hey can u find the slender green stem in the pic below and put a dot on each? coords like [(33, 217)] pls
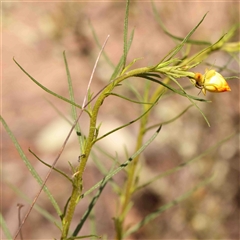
[(92, 135), (130, 183), (77, 177), (129, 186)]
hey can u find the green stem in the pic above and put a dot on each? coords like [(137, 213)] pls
[(130, 183), (77, 179)]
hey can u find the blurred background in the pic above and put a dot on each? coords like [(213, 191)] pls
[(36, 34)]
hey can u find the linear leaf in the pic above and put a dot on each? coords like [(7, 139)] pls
[(171, 35), (48, 165), (180, 92), (165, 207), (85, 236), (120, 63), (127, 124), (74, 111), (203, 53), (46, 89), (128, 99), (89, 209), (125, 38), (175, 50), (123, 165), (5, 228), (190, 99), (100, 46), (180, 166), (59, 112), (29, 166), (171, 120)]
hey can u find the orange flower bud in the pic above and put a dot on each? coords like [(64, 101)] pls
[(214, 82), (211, 81)]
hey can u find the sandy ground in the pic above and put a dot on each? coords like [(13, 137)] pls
[(36, 34)]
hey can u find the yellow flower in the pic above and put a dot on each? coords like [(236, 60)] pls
[(211, 81)]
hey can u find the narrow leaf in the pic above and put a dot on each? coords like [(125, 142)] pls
[(184, 164), (46, 89), (125, 39), (5, 228), (89, 209), (162, 209), (48, 165), (59, 112), (190, 99), (120, 63), (74, 111), (127, 124), (175, 50), (171, 35), (84, 236), (128, 99), (29, 166), (180, 92), (100, 46), (171, 120), (123, 165), (200, 56), (101, 167)]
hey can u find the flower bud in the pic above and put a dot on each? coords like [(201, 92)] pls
[(214, 82), (211, 81)]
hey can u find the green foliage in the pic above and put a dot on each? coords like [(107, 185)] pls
[(164, 76)]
